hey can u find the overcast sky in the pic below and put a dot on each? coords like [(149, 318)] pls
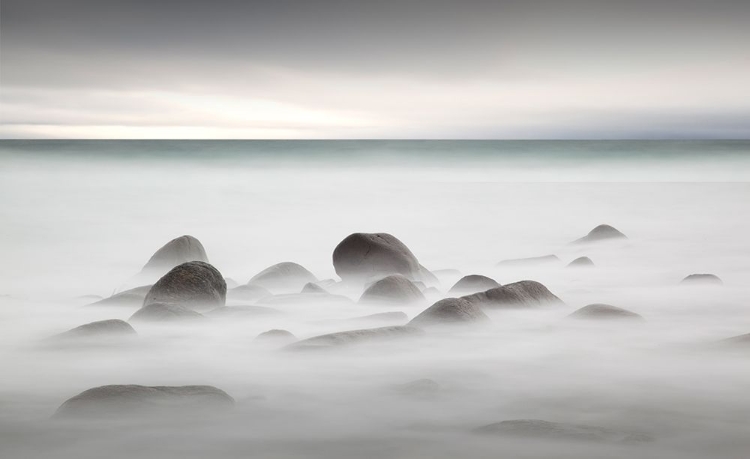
[(376, 69)]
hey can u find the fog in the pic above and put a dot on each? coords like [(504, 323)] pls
[(78, 225)]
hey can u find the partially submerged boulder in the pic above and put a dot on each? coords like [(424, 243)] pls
[(286, 276), (126, 298), (702, 279), (195, 285), (393, 290), (601, 233), (605, 312), (450, 311), (363, 256), (276, 337), (522, 294), (117, 401), (347, 338), (471, 284), (176, 252), (101, 328), (311, 287), (581, 262), (545, 430), (528, 262), (165, 312)]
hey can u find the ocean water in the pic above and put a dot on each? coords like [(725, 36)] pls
[(82, 217)]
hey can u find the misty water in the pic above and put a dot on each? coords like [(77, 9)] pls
[(80, 219)]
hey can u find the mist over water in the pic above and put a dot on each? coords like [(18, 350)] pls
[(82, 218)]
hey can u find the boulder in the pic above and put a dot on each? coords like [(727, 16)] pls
[(101, 328), (165, 312), (702, 279), (523, 294), (581, 262), (605, 312), (363, 256), (276, 337), (472, 283), (347, 338), (313, 288), (527, 262), (601, 233), (248, 293), (392, 290), (176, 252), (126, 298), (195, 285), (450, 311), (285, 276), (537, 429), (117, 401)]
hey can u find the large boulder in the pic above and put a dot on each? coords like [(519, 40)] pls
[(450, 311), (537, 429), (165, 312), (473, 283), (364, 256), (101, 328), (701, 279), (347, 338), (286, 276), (116, 401), (195, 285), (126, 298), (529, 262), (522, 294), (176, 252), (605, 312), (392, 290), (601, 233)]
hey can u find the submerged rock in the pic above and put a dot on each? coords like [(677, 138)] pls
[(581, 262), (473, 283), (362, 256), (165, 312), (346, 338), (248, 293), (276, 337), (101, 328), (546, 430), (450, 311), (601, 233), (127, 298), (522, 294), (195, 285), (116, 401), (313, 288), (531, 261), (605, 312), (286, 276), (702, 279), (394, 290)]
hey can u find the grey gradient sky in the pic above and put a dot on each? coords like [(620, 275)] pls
[(386, 69)]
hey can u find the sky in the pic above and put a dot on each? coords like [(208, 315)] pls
[(550, 69)]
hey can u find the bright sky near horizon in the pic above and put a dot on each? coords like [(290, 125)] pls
[(388, 69)]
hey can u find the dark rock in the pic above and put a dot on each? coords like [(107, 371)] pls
[(286, 275), (276, 337), (702, 279), (117, 401), (346, 338), (531, 261), (471, 284), (243, 311), (313, 288), (195, 285), (176, 252), (165, 312), (363, 256), (248, 293), (545, 430), (128, 298), (523, 294), (604, 312), (601, 233), (102, 328), (581, 262), (450, 311), (394, 290)]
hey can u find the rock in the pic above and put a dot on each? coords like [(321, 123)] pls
[(421, 388), (276, 337), (127, 298), (581, 262), (248, 293), (176, 252), (286, 276), (450, 311), (601, 233), (313, 288), (117, 401), (531, 261), (393, 290), (165, 312), (702, 279), (102, 328), (523, 294), (346, 338), (395, 316), (604, 312), (471, 284), (195, 285), (545, 430), (363, 256)]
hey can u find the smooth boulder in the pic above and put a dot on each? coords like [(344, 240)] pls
[(286, 276), (450, 311), (392, 290), (311, 287), (101, 328), (363, 256), (194, 285), (605, 312), (347, 338), (276, 337), (116, 401), (538, 429), (176, 252), (165, 312), (472, 283), (702, 279), (522, 294), (581, 262), (601, 233)]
